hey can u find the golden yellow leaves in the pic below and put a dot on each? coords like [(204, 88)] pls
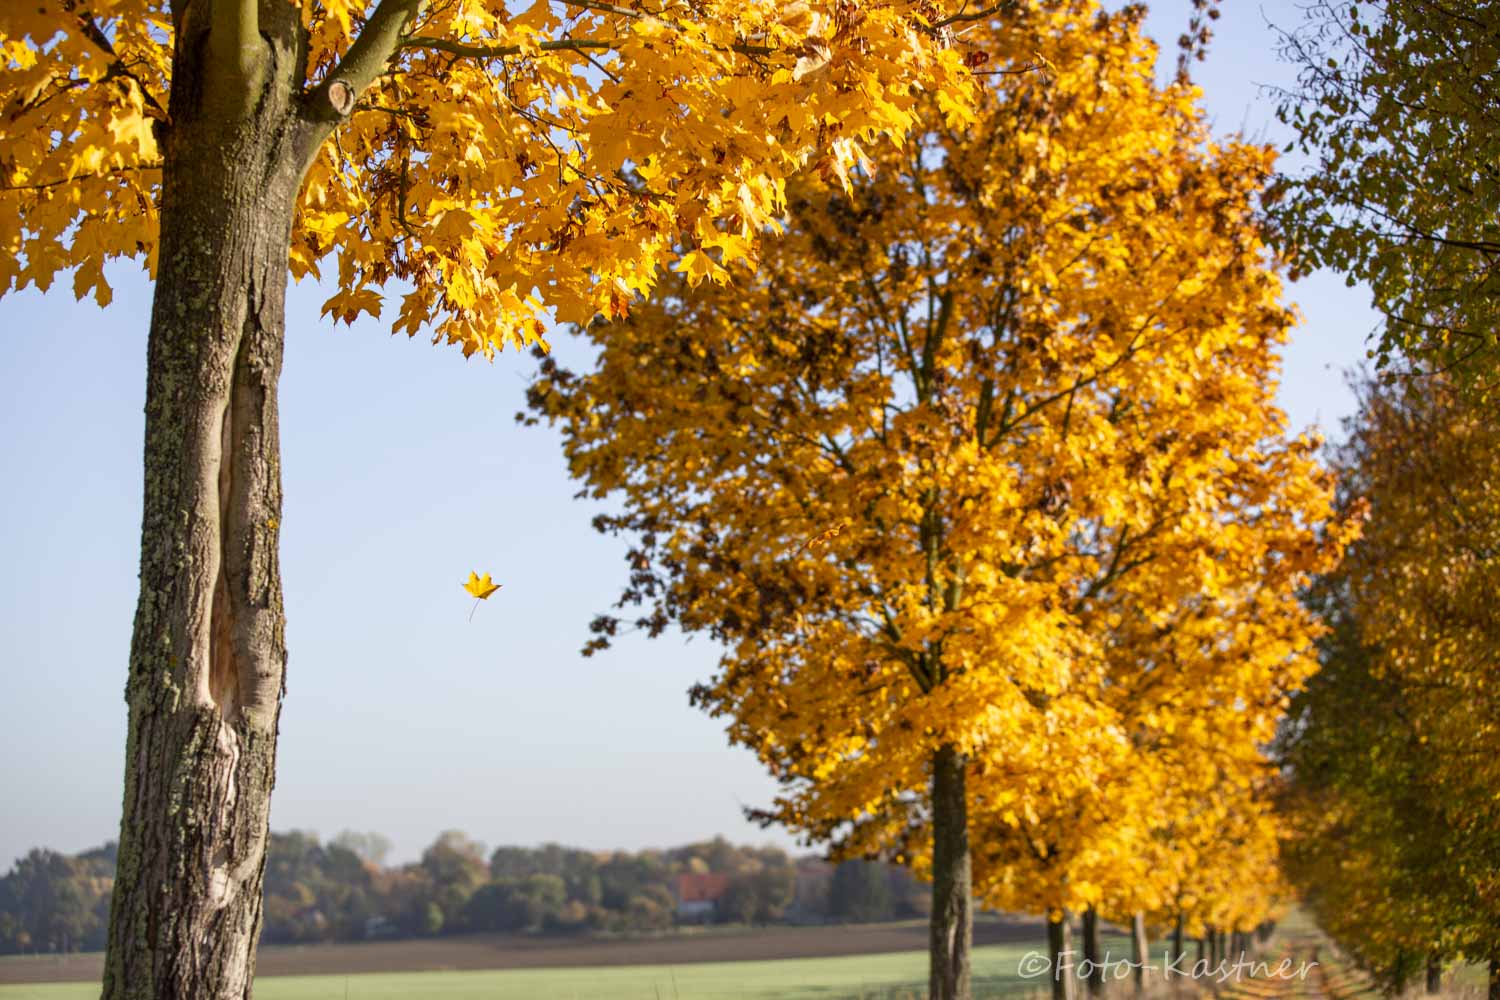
[(697, 265), (346, 305), (823, 537), (1072, 534), (481, 587), (496, 184), (77, 183)]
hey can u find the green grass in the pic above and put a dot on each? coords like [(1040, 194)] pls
[(893, 976)]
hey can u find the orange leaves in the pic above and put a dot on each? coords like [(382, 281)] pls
[(1058, 522), (823, 537)]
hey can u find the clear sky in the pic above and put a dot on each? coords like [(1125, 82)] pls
[(403, 471)]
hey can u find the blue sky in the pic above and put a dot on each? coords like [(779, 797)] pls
[(404, 470)]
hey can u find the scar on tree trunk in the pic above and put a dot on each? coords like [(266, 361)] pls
[(208, 654), (952, 922), (208, 650)]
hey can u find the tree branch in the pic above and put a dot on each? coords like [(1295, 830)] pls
[(555, 45), (45, 185), (239, 52), (100, 40), (501, 51), (963, 16), (333, 99)]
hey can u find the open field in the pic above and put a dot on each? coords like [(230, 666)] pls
[(816, 963), (891, 975), (505, 951)]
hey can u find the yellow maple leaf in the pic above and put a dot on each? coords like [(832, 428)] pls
[(481, 586), (698, 265)]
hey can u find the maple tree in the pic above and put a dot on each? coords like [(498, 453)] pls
[(499, 166), (1396, 107), (974, 434), (1395, 746), (1176, 823)]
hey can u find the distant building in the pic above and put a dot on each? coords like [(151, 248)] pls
[(698, 894)]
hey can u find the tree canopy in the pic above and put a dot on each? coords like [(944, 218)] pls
[(505, 165), (982, 461), (1394, 748), (1395, 106)]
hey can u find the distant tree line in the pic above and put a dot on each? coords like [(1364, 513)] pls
[(342, 890)]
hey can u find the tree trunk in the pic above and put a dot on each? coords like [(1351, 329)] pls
[(952, 922), (1140, 952), (1494, 993), (1212, 934), (1060, 948), (1092, 953), (1434, 974), (1177, 939), (208, 654)]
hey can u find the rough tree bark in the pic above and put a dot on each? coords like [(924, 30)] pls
[(208, 654), (952, 921), (1059, 952)]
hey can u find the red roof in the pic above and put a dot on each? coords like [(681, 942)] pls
[(705, 888)]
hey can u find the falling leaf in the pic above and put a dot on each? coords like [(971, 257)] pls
[(823, 537), (481, 586)]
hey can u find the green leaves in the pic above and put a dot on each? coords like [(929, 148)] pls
[(1400, 115)]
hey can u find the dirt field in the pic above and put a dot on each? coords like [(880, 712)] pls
[(490, 951)]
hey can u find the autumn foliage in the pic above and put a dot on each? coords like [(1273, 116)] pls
[(510, 166), (495, 167), (983, 462), (1395, 745)]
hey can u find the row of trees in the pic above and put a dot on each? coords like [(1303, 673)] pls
[(341, 891), (1394, 748), (54, 902), (980, 483), (978, 479)]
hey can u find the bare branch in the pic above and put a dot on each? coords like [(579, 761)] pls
[(46, 185), (501, 51)]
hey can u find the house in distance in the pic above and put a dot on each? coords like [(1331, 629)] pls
[(698, 895)]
